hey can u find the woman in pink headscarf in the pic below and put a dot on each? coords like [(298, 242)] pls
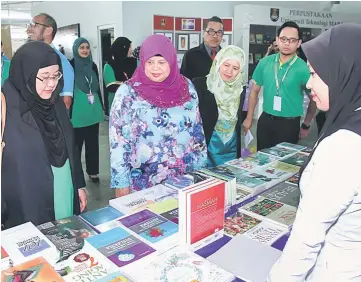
[(155, 129)]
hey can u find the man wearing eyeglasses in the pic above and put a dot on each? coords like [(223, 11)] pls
[(43, 28), (283, 77), (197, 61)]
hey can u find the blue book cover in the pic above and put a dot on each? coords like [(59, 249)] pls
[(120, 247), (101, 216), (150, 226)]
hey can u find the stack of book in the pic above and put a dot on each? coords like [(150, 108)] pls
[(201, 213), (138, 201)]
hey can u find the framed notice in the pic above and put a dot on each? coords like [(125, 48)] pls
[(169, 35), (193, 40), (180, 59), (250, 58), (252, 38), (188, 24), (226, 40), (182, 42)]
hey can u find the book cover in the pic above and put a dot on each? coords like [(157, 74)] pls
[(140, 200), (253, 180), (205, 212), (167, 209), (307, 150), (239, 223), (35, 270), (120, 247), (265, 233), (284, 193), (86, 265), (102, 219), (254, 161), (241, 194), (181, 265), (294, 179), (150, 226), (221, 170), (297, 159), (277, 172), (280, 152), (292, 146), (25, 242), (67, 234), (271, 210)]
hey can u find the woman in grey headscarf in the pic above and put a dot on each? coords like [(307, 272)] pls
[(325, 243)]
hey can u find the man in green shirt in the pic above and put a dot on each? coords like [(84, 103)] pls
[(283, 77)]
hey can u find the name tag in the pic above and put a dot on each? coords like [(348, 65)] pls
[(277, 103), (90, 98)]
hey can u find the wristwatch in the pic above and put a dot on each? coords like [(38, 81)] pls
[(304, 126)]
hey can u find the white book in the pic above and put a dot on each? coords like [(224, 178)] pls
[(140, 200), (181, 265), (25, 242), (266, 233)]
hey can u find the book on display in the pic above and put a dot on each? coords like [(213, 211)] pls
[(292, 146), (297, 159), (272, 211), (140, 200), (278, 151), (253, 161), (25, 242), (85, 265), (34, 270), (201, 214), (120, 247), (284, 193), (293, 180), (181, 265), (167, 209), (67, 234), (239, 223), (156, 230), (266, 233), (102, 219), (182, 181), (277, 172)]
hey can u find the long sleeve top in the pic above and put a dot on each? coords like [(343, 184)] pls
[(325, 242), (149, 144)]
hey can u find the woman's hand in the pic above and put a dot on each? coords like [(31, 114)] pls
[(82, 199), (120, 192)]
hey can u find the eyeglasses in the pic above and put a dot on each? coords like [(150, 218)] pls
[(47, 79), (212, 32), (284, 39), (33, 24)]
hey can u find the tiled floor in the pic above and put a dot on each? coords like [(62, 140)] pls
[(100, 193)]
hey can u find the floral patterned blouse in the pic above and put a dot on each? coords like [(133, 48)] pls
[(149, 144)]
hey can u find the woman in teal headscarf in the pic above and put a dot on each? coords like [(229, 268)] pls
[(87, 109), (220, 105)]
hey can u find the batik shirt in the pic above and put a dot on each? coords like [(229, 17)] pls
[(148, 144)]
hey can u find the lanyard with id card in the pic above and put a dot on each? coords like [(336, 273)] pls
[(277, 100), (90, 95)]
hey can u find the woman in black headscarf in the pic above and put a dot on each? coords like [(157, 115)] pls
[(41, 176), (325, 243), (119, 68)]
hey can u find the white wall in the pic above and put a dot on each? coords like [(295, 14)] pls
[(88, 14)]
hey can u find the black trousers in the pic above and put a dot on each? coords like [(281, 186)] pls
[(273, 130), (320, 121), (89, 135)]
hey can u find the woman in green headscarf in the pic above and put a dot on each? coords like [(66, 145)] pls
[(87, 109), (220, 105)]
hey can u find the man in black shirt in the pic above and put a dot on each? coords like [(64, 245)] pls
[(197, 61)]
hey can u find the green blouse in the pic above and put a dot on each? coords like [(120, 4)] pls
[(63, 191), (83, 113), (5, 67), (109, 77)]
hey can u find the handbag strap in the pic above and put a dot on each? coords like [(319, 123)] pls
[(3, 118)]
